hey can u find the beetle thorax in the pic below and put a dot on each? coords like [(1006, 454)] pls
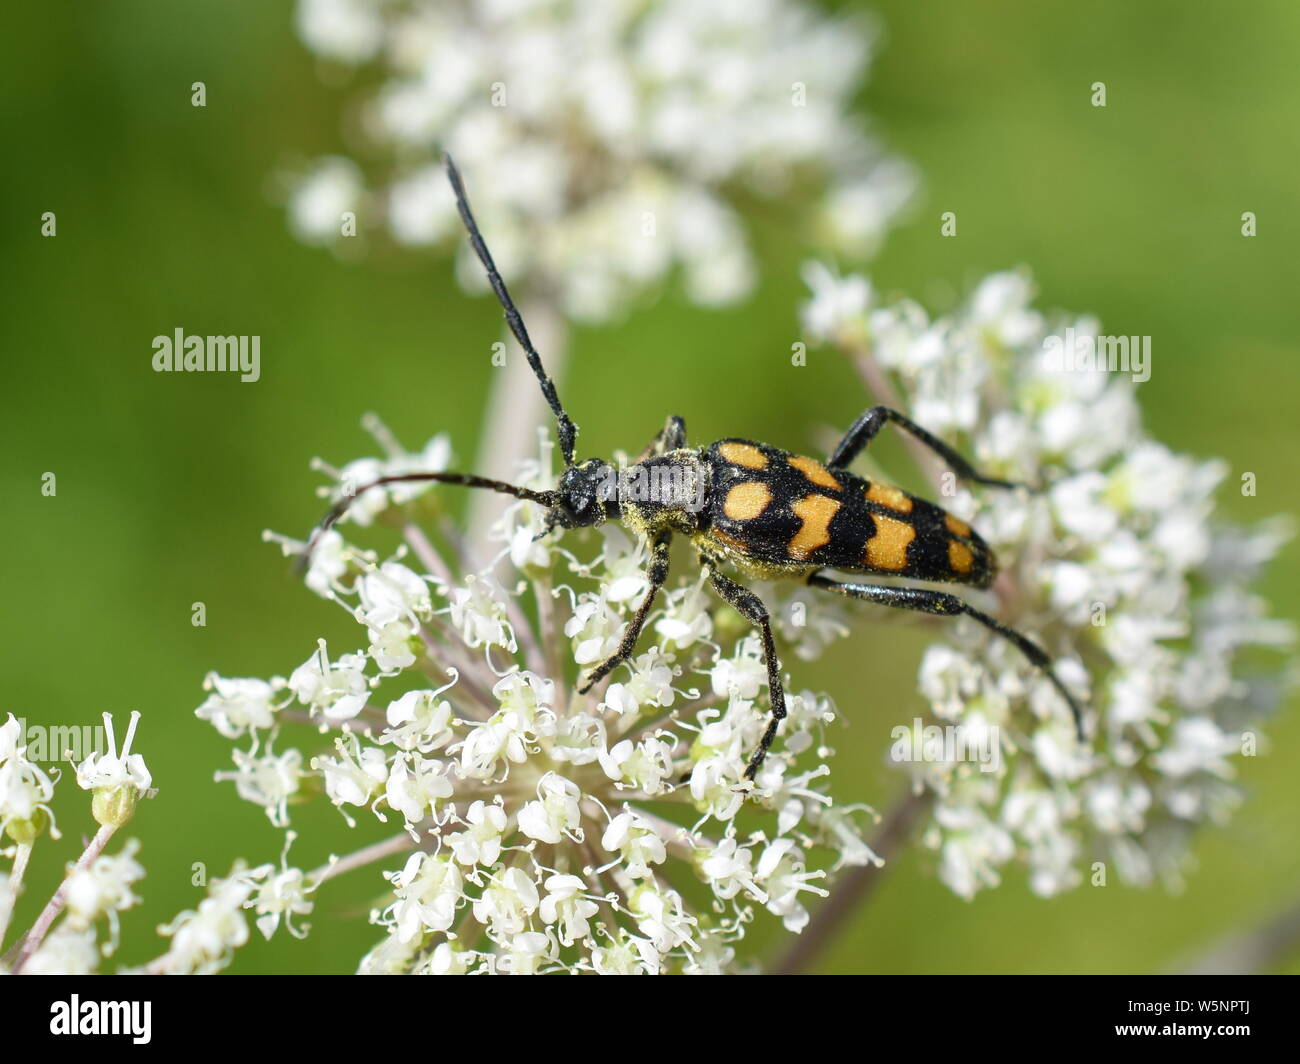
[(664, 492)]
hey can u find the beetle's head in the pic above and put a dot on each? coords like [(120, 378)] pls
[(586, 495)]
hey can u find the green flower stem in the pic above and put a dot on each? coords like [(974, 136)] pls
[(15, 886), (398, 843), (31, 942)]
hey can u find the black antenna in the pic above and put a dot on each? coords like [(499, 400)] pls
[(567, 430), (545, 498)]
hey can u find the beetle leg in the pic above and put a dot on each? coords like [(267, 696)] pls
[(924, 600), (864, 430), (657, 574), (672, 437), (751, 607)]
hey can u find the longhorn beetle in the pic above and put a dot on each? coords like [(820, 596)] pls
[(764, 512)]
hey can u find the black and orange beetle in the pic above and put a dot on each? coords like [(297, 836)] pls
[(764, 512)]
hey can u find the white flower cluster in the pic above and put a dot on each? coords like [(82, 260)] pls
[(1120, 567), (98, 886), (66, 938), (599, 137), (203, 940), (544, 830), (26, 789)]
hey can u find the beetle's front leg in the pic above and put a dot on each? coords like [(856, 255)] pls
[(657, 574), (672, 437)]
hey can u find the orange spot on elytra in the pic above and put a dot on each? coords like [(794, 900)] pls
[(746, 501), (814, 471), (816, 512), (743, 454), (959, 556), (887, 549), (890, 497)]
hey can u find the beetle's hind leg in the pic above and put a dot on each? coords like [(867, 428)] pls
[(864, 430), (924, 600), (751, 607)]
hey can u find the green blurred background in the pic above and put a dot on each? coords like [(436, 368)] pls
[(165, 482)]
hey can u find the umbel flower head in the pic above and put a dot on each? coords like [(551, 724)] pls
[(544, 830), (603, 140), (65, 937), (1120, 567)]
